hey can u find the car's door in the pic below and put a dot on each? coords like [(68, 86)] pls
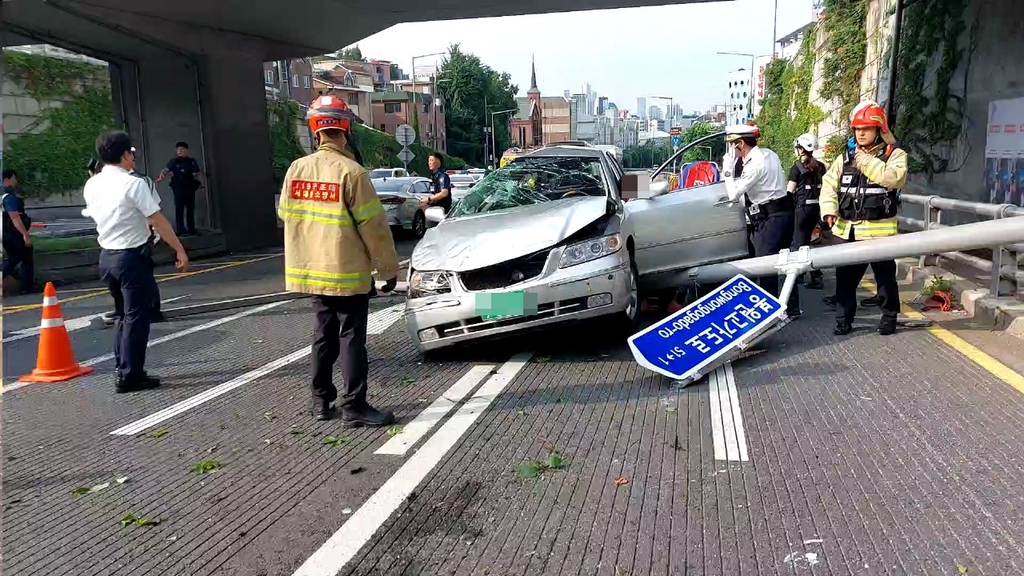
[(686, 228)]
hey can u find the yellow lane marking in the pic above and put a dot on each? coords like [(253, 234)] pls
[(995, 367), (163, 278)]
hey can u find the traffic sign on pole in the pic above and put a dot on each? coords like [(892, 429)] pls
[(406, 155), (686, 342), (677, 141), (405, 134)]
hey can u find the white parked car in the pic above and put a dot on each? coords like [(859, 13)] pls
[(551, 238), (461, 184), (388, 173), (401, 200)]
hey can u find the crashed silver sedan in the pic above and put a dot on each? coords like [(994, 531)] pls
[(551, 238)]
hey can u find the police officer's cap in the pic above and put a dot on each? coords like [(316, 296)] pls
[(734, 133)]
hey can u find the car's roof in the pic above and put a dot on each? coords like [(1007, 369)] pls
[(397, 179), (569, 151)]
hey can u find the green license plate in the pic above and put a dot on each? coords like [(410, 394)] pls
[(496, 305)]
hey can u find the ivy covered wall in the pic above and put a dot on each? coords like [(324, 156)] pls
[(53, 111)]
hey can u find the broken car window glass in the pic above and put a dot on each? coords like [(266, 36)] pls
[(533, 180)]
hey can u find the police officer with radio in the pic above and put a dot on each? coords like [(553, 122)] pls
[(860, 196), (756, 175), (805, 186), (442, 184)]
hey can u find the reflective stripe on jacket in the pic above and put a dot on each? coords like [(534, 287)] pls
[(889, 174), (335, 230)]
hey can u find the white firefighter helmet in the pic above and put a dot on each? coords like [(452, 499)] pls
[(808, 142)]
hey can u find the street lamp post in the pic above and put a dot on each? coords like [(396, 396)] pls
[(671, 116)]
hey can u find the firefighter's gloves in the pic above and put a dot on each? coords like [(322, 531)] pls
[(389, 285)]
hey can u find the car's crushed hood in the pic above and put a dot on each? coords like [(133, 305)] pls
[(477, 241)]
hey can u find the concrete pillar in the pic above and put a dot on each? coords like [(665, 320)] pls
[(237, 144)]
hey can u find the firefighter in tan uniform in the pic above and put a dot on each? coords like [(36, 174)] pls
[(859, 199), (335, 235)]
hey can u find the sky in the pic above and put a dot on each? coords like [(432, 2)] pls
[(623, 54)]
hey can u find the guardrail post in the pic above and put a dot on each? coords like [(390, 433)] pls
[(997, 257), (932, 216), (1020, 277)]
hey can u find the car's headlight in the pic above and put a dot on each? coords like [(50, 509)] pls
[(429, 283), (588, 250)]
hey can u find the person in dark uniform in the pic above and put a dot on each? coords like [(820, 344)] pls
[(17, 241), (805, 186), (185, 180), (755, 174), (442, 195), (124, 210)]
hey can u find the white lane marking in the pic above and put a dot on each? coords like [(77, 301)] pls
[(361, 526), (70, 325), (729, 439), (379, 321), (418, 428)]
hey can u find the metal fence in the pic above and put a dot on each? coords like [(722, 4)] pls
[(1007, 261)]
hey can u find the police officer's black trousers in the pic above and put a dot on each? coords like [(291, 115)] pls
[(185, 211), (128, 275), (849, 277), (18, 254), (807, 218), (770, 236), (341, 331)]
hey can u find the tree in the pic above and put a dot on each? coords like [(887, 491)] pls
[(701, 151), (351, 53), (471, 91)]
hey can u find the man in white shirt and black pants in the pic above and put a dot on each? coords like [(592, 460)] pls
[(755, 174), (124, 209)]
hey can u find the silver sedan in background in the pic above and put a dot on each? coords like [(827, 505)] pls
[(401, 200)]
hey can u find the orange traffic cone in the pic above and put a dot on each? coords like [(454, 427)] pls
[(54, 362)]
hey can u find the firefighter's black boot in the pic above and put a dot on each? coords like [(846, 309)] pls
[(842, 328), (872, 302), (366, 415), (322, 410), (887, 326)]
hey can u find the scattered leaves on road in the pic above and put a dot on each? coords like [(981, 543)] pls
[(333, 441), (82, 490), (158, 433), (204, 466), (533, 469), (295, 431), (529, 470), (542, 359), (130, 519), (671, 409), (394, 431), (408, 380), (961, 569), (521, 412), (621, 481), (554, 461)]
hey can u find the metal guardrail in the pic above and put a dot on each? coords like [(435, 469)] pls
[(1007, 260)]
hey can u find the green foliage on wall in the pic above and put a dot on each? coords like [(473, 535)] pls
[(845, 51), (928, 115), (285, 145), (786, 111), (50, 157)]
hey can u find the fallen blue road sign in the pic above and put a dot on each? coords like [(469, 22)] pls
[(687, 341)]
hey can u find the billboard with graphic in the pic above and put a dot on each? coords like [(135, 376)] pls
[(1004, 152)]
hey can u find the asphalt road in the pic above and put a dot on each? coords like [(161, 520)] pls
[(814, 454)]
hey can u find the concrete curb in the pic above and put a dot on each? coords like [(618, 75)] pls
[(1004, 314)]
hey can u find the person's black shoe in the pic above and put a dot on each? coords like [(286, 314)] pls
[(366, 415), (815, 284), (842, 329), (324, 411), (124, 385), (872, 302), (829, 301), (887, 326)]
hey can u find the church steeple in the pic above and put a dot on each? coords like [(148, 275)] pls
[(533, 77)]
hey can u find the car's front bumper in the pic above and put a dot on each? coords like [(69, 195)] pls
[(589, 290)]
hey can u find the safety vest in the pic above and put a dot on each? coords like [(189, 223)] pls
[(335, 230), (811, 185), (862, 199)]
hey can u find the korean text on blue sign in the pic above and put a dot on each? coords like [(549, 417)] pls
[(685, 342)]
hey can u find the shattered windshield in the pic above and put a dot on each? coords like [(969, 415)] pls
[(533, 180)]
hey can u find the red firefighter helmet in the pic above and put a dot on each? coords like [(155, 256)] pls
[(869, 115), (329, 112)]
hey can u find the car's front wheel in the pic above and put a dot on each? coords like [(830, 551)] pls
[(629, 318), (419, 225)]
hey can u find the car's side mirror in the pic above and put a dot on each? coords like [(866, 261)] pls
[(434, 214), (658, 188)]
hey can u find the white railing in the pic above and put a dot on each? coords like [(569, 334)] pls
[(1007, 260)]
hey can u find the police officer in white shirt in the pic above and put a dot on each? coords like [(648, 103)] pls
[(124, 209), (756, 175)]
